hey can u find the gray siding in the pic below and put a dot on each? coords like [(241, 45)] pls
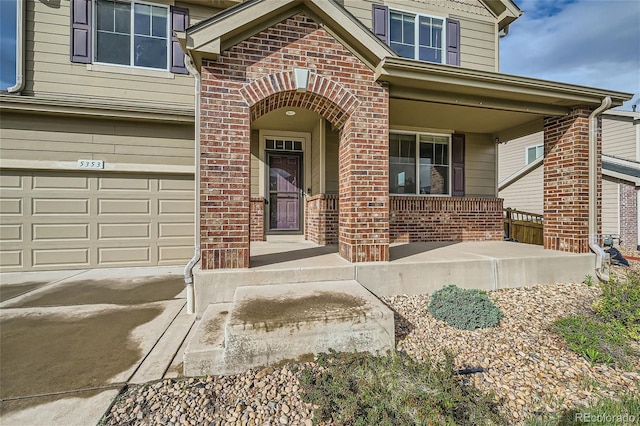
[(619, 137)]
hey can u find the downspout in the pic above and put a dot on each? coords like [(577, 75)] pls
[(20, 80), (602, 270), (188, 270)]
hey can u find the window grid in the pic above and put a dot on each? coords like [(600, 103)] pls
[(412, 43), (532, 153), (283, 145), (132, 34)]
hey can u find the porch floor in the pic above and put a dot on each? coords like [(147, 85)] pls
[(414, 268)]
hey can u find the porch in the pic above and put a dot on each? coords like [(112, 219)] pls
[(413, 268)]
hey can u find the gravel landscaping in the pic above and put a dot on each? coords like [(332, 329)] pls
[(529, 369)]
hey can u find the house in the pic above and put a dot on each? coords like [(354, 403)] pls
[(97, 153), (520, 174), (361, 123)]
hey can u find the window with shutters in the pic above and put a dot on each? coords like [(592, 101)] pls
[(133, 34), (416, 36), (419, 163), (128, 33)]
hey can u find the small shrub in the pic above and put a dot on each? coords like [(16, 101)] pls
[(463, 308), (620, 304), (362, 389), (599, 343)]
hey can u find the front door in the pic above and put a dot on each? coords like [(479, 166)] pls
[(284, 192)]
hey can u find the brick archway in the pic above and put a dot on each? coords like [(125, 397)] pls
[(323, 96)]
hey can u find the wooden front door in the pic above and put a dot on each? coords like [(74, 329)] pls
[(285, 193)]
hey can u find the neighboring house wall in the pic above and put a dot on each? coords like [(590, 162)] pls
[(478, 30), (620, 138)]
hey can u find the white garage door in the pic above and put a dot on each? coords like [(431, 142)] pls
[(52, 220)]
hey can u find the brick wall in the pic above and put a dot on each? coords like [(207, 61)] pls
[(566, 181), (628, 215), (255, 77), (446, 219), (321, 219), (257, 219)]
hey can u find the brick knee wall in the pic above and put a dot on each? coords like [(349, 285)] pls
[(628, 216), (321, 219), (257, 219), (445, 219)]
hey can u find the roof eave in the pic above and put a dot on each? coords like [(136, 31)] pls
[(480, 88)]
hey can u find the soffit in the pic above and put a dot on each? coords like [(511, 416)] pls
[(209, 38), (445, 84), (506, 11)]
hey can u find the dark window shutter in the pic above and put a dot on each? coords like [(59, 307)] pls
[(453, 42), (457, 164), (81, 31), (179, 22), (381, 22)]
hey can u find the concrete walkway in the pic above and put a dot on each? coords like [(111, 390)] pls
[(71, 340)]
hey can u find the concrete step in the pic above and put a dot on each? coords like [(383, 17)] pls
[(205, 349), (271, 324)]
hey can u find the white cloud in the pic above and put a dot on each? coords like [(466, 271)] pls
[(586, 42)]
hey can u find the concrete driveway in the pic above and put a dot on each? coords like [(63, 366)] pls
[(71, 340)]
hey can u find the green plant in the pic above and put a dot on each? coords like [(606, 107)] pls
[(598, 342), (620, 304), (588, 280), (465, 309), (625, 410), (362, 389)]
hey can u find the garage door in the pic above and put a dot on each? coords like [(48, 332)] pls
[(65, 220)]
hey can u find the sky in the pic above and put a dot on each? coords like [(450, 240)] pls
[(593, 43)]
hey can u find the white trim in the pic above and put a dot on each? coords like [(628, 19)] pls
[(20, 48), (417, 164), (128, 70), (108, 166)]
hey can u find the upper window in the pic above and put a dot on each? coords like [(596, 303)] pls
[(128, 33), (534, 152), (419, 163), (416, 36), (133, 34)]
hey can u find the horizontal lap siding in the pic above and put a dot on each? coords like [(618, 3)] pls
[(525, 194), (40, 137), (512, 154), (619, 137), (610, 207), (49, 71), (480, 165)]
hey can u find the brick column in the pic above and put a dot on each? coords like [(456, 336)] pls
[(224, 172), (628, 215), (364, 185), (566, 181)]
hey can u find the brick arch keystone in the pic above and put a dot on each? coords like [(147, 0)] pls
[(323, 96)]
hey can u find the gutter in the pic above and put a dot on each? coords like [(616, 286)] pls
[(505, 31), (20, 80), (188, 270), (602, 259)]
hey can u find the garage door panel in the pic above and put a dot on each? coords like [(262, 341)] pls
[(123, 206), (60, 232), (175, 206), (123, 184), (11, 232), (123, 230), (170, 255), (61, 257), (173, 230), (185, 185), (124, 255), (11, 206), (61, 183), (66, 206), (11, 258), (11, 182)]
